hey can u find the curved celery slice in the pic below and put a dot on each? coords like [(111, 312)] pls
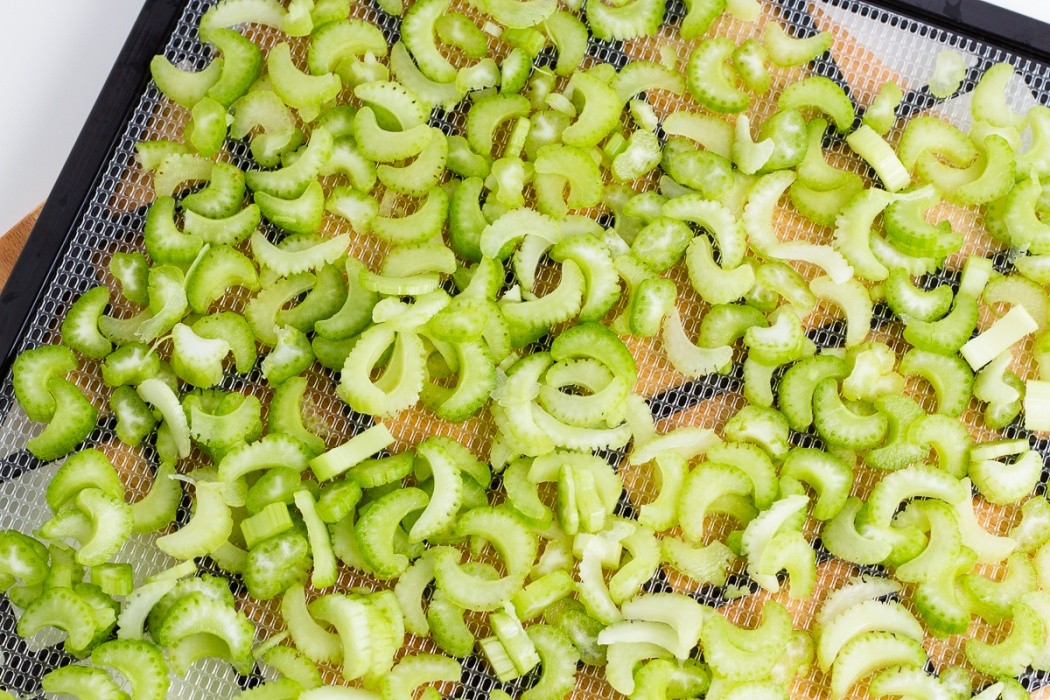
[(778, 343), (1015, 651), (881, 114), (515, 544), (712, 80), (338, 43), (950, 377), (861, 618), (852, 298), (870, 652), (79, 681), (907, 229), (418, 227), (292, 180), (210, 526), (32, 373), (184, 87), (787, 51), (275, 132), (761, 533), (206, 130), (636, 18), (880, 156), (598, 110), (303, 92), (142, 663), (717, 219), (989, 102), (401, 381), (414, 671), (990, 177), (155, 392), (746, 654), (302, 214)]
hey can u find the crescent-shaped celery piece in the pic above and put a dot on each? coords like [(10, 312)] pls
[(287, 262), (197, 360), (301, 91), (944, 540), (423, 174), (787, 51), (274, 451), (197, 626), (418, 34), (399, 385), (911, 482), (1013, 653), (228, 13), (32, 373), (786, 129), (131, 270), (708, 488), (758, 213), (178, 171), (598, 110), (950, 377), (276, 133), (908, 230), (761, 532), (416, 670), (302, 214), (184, 87), (515, 544), (141, 662), (989, 178), (596, 263), (744, 654), (860, 618), (852, 297), (165, 243), (712, 80), (416, 228), (910, 302), (292, 180), (716, 219), (881, 114), (874, 149), (210, 525), (158, 394), (989, 103), (80, 326), (778, 343), (636, 18), (335, 45), (686, 357), (206, 130), (870, 652)]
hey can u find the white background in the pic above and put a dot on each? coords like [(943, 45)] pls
[(54, 58)]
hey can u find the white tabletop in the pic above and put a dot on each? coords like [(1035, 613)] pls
[(53, 61)]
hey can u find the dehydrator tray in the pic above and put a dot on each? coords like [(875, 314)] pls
[(98, 208)]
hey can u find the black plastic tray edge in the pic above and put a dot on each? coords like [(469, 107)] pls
[(975, 18), (105, 123), (981, 20)]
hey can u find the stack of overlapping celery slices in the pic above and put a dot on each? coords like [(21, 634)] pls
[(587, 234)]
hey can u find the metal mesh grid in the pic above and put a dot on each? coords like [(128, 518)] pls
[(871, 46)]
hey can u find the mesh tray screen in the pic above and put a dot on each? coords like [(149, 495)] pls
[(871, 46)]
